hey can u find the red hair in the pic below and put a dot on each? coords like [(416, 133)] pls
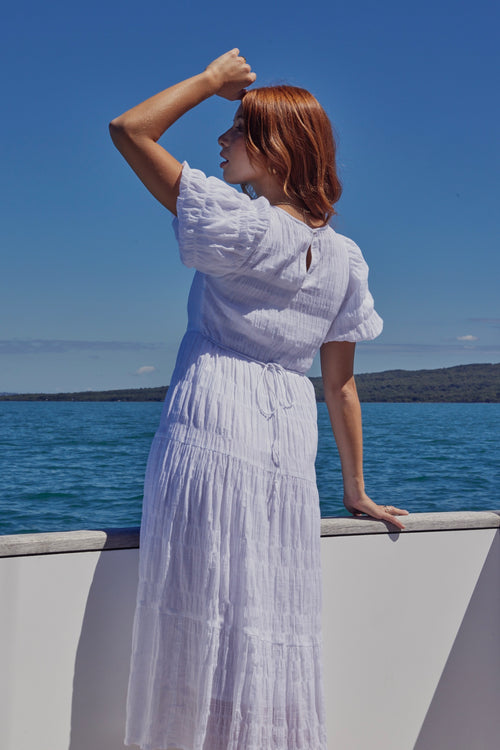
[(289, 127)]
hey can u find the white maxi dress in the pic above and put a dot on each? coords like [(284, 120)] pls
[(226, 651)]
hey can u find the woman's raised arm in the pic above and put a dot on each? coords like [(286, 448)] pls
[(341, 396), (136, 132)]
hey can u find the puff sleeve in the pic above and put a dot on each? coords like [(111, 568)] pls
[(216, 226), (357, 319)]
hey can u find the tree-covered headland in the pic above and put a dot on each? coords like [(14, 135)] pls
[(464, 383)]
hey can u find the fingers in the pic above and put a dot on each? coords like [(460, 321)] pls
[(390, 513), (395, 511), (386, 513), (234, 57), (245, 68), (236, 53), (392, 519), (231, 74)]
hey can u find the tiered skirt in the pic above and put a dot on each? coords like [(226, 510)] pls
[(226, 651)]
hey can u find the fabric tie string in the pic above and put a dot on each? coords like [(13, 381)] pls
[(274, 395)]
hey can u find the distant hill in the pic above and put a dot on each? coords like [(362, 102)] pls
[(127, 394), (464, 383)]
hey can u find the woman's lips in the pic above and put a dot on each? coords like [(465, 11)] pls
[(223, 163)]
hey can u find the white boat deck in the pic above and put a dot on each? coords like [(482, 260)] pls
[(411, 635)]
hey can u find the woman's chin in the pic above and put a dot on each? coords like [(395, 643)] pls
[(227, 177)]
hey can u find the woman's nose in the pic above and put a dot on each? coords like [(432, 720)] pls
[(222, 139)]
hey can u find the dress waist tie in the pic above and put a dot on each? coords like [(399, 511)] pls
[(274, 395)]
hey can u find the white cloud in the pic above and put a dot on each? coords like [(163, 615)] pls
[(145, 370), (468, 337), (62, 346)]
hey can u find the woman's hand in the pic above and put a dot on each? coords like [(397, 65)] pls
[(362, 505), (231, 74)]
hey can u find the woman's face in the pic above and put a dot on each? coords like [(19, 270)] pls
[(237, 167)]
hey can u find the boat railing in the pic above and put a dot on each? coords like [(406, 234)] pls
[(411, 626)]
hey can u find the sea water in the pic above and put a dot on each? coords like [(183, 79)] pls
[(76, 465)]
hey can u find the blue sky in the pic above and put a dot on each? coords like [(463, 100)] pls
[(92, 292)]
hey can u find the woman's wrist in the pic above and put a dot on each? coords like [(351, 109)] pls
[(354, 490), (212, 81)]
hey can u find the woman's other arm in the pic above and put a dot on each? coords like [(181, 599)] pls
[(341, 396), (136, 132)]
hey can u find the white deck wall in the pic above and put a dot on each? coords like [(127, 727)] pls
[(411, 634)]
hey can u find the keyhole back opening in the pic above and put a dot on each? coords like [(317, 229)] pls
[(308, 258)]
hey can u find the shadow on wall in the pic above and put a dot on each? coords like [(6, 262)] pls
[(102, 658), (465, 710)]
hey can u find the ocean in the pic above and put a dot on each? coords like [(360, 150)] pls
[(80, 465)]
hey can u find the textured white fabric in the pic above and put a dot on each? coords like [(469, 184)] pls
[(226, 650)]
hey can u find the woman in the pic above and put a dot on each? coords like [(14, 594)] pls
[(226, 651)]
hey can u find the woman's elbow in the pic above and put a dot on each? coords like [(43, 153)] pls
[(124, 132), (117, 130), (344, 392)]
